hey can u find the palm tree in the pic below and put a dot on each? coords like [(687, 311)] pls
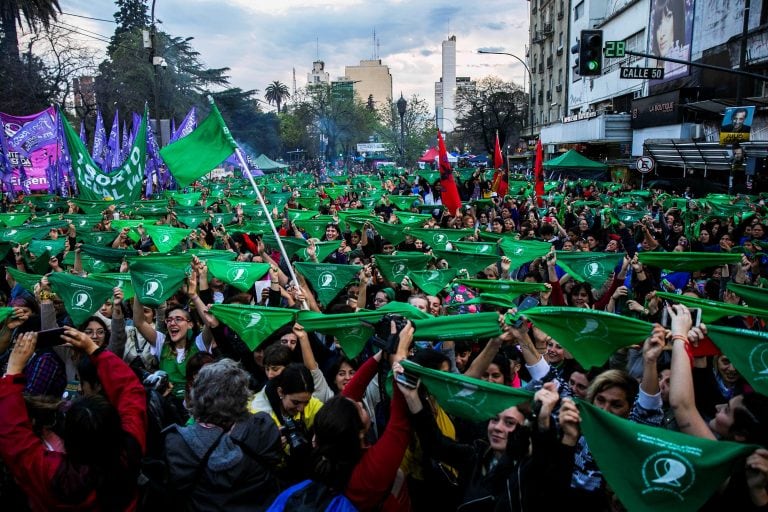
[(31, 12), (276, 93)]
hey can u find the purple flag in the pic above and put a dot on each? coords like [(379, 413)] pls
[(112, 158), (124, 146), (99, 140), (82, 132), (6, 170), (173, 126), (65, 176), (187, 126)]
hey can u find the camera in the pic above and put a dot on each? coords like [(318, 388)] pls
[(295, 434), (383, 338)]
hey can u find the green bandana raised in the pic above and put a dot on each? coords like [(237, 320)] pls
[(468, 398), (241, 275), (395, 267), (253, 324), (327, 279), (432, 282), (652, 469), (153, 287), (592, 267), (687, 261), (747, 350), (81, 296), (166, 238)]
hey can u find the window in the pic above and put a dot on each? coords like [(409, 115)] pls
[(635, 42), (560, 39), (578, 11)]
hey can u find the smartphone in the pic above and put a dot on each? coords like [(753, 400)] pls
[(407, 380), (666, 320), (528, 303), (50, 338)]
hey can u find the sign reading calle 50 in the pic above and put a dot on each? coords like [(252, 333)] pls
[(643, 73)]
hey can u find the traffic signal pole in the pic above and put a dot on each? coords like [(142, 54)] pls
[(764, 78)]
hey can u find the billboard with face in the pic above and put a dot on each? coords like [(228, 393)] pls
[(670, 33)]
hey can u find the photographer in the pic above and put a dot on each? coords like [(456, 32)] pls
[(288, 400)]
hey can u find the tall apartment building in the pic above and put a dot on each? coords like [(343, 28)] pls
[(318, 75), (372, 81), (445, 89), (548, 60), (463, 83)]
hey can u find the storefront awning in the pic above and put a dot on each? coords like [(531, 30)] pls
[(717, 106), (699, 155)]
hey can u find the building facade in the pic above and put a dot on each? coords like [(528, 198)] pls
[(318, 75), (445, 98), (372, 82)]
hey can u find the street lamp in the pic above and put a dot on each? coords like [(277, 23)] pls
[(401, 106), (530, 81)]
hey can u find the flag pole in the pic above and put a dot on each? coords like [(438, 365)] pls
[(247, 173)]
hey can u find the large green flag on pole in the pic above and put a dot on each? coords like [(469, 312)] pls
[(81, 296), (747, 350), (590, 335), (198, 153), (652, 469), (253, 324), (466, 397), (124, 183)]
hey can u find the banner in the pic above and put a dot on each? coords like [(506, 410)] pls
[(31, 146), (123, 183)]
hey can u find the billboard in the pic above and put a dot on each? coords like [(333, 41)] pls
[(670, 34), (737, 123), (31, 143)]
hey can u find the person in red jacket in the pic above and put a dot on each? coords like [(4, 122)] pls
[(103, 435)]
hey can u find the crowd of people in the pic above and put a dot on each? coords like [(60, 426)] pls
[(167, 405)]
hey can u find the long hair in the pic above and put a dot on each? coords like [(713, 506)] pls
[(662, 8), (337, 429), (751, 419)]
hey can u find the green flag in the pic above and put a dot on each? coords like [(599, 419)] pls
[(392, 232), (403, 202), (713, 310), (192, 221), (195, 155), (107, 254), (501, 300), (166, 238), (521, 252), (466, 397), (25, 280), (593, 267), (81, 296), (120, 280), (747, 350), (438, 238), (23, 235), (38, 247), (189, 199), (476, 247), (590, 335), (154, 284), (14, 220), (352, 329), (123, 183), (754, 297), (310, 203), (253, 324), (685, 261), (413, 218), (474, 263), (652, 469), (475, 326), (5, 313), (327, 279), (322, 250), (291, 244), (394, 267), (432, 282), (313, 227), (509, 288), (242, 275), (100, 238)]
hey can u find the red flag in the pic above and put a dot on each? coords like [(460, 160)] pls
[(498, 160), (449, 194), (538, 173), (500, 179)]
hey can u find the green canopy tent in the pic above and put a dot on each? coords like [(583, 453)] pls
[(265, 163), (573, 163)]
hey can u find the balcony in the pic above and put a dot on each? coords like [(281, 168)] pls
[(547, 29), (549, 95), (538, 37), (541, 68), (549, 62)]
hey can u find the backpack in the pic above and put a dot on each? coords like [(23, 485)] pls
[(311, 496)]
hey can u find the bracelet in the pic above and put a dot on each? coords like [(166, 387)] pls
[(680, 337), (46, 295)]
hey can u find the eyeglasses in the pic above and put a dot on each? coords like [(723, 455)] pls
[(380, 299), (176, 320), (97, 332)]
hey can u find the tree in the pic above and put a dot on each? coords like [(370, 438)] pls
[(276, 93), (492, 105), (35, 13), (418, 127), (257, 130), (131, 15)]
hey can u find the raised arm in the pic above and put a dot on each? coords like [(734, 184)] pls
[(146, 329)]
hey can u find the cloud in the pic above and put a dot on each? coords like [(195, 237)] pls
[(265, 41)]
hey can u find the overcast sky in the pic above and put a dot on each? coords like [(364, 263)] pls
[(264, 40)]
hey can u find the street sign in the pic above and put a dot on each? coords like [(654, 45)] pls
[(643, 73), (645, 164), (614, 49)]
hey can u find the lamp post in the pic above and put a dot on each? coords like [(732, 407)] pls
[(401, 106), (530, 82)]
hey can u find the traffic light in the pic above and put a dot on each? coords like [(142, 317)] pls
[(591, 53), (575, 49)]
